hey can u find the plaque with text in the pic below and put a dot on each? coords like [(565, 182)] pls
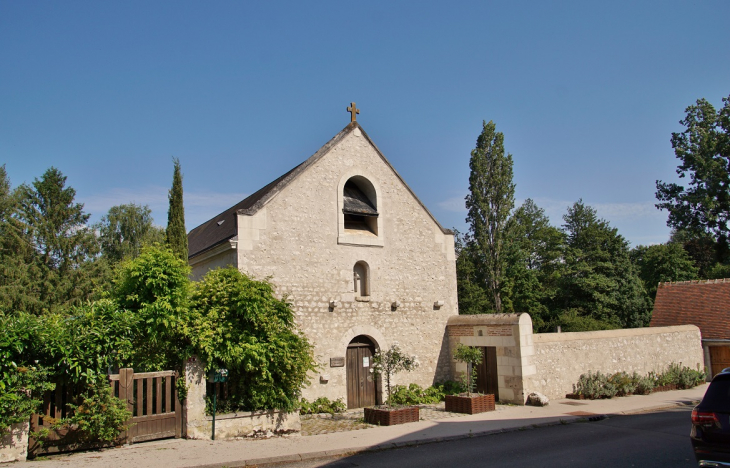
[(337, 362)]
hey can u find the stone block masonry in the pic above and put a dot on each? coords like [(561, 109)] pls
[(560, 358)]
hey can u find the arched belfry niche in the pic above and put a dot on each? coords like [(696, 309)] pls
[(359, 211)]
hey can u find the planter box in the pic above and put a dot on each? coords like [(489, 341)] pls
[(391, 417), (470, 405), (575, 396)]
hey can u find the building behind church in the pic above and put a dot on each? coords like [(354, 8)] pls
[(363, 262)]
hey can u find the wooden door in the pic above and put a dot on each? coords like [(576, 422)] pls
[(719, 358), (487, 381), (360, 381)]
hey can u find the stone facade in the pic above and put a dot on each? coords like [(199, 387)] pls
[(560, 358), (298, 238)]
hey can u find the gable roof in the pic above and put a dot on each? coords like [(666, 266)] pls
[(705, 304), (223, 226)]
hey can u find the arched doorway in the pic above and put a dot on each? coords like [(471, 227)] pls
[(361, 383)]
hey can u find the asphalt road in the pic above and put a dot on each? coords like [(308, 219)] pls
[(658, 439)]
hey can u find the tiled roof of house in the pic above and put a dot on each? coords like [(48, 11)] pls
[(705, 304)]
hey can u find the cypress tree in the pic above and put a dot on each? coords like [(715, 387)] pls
[(176, 236)]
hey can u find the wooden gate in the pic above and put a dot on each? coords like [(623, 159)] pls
[(361, 383), (152, 399), (719, 358), (150, 396), (487, 381)]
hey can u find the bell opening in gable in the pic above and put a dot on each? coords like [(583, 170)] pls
[(360, 206)]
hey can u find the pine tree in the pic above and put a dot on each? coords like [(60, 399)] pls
[(176, 236), (490, 201)]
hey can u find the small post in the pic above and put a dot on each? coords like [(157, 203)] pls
[(215, 396)]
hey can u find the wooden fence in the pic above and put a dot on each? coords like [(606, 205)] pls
[(151, 398)]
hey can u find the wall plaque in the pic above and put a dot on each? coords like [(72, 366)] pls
[(337, 362)]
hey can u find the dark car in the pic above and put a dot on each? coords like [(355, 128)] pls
[(710, 433)]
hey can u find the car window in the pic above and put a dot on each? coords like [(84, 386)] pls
[(717, 397)]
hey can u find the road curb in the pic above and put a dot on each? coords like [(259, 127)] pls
[(322, 454)]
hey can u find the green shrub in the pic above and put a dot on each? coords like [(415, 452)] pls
[(241, 326), (101, 416), (624, 383), (322, 405), (594, 386), (21, 394), (451, 387), (644, 385), (415, 395)]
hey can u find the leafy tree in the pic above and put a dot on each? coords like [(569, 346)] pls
[(704, 151), (663, 262), (176, 235), (471, 356), (125, 229), (490, 201), (64, 245), (534, 263), (391, 362), (241, 326), (18, 266), (598, 277), (470, 283), (701, 248), (155, 287)]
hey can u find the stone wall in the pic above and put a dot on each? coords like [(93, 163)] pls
[(228, 426), (14, 444), (298, 240), (511, 335), (560, 358)]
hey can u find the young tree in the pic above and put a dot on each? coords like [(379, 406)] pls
[(65, 247), (176, 236), (125, 229), (490, 201), (471, 356), (390, 362), (704, 151)]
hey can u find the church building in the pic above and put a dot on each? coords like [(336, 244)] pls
[(362, 260)]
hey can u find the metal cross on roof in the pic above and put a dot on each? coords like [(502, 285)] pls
[(353, 110)]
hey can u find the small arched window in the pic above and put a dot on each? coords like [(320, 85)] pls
[(361, 279), (360, 206)]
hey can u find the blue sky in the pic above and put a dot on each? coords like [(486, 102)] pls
[(586, 93)]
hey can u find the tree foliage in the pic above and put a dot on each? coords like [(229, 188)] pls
[(65, 273), (662, 263), (490, 201), (155, 287), (471, 356), (125, 229), (176, 236), (703, 205), (598, 278), (240, 325)]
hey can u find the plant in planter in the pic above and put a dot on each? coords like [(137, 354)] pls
[(388, 363), (469, 402)]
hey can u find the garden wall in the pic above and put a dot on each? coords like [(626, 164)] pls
[(560, 358), (14, 444), (228, 426)]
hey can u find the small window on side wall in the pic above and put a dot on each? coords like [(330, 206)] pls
[(361, 279)]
